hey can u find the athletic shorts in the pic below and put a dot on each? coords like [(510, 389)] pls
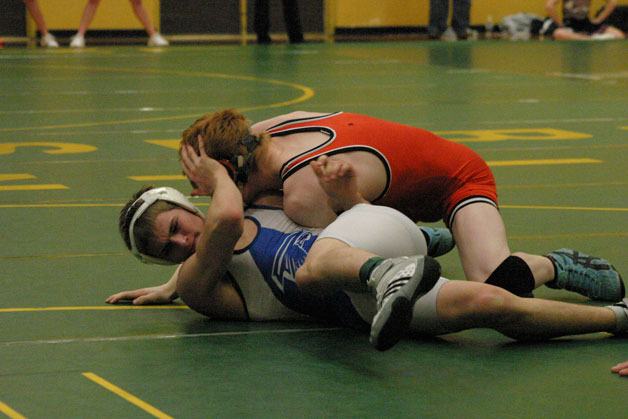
[(478, 185), (377, 229), (388, 233)]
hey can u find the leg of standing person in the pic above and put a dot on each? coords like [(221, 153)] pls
[(47, 39), (261, 21), (460, 17), (154, 38), (439, 11), (292, 19), (78, 40)]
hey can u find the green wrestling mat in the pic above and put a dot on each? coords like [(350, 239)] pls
[(80, 131)]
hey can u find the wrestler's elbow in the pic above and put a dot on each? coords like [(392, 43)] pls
[(228, 222), (306, 213)]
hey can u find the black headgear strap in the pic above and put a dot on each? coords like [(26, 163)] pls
[(239, 166)]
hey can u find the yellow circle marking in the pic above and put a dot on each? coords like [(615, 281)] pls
[(306, 94)]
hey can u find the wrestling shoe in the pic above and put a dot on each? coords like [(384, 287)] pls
[(439, 241), (588, 275), (398, 283), (621, 312)]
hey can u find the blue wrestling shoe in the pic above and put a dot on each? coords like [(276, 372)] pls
[(398, 283), (588, 275), (439, 240)]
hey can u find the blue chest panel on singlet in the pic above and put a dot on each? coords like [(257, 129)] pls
[(278, 255)]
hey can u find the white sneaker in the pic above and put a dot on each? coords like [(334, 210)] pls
[(48, 41), (157, 41), (78, 41), (603, 36), (398, 283), (449, 35)]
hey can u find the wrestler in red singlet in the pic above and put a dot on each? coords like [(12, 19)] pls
[(429, 178)]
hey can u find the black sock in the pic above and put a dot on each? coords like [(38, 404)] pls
[(367, 268)]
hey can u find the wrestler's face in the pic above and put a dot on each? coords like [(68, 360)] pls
[(176, 233)]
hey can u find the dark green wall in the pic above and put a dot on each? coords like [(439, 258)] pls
[(222, 16), (12, 18)]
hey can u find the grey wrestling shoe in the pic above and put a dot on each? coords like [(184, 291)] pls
[(590, 276), (398, 283), (439, 240), (621, 312)]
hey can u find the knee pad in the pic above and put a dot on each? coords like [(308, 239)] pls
[(513, 275)]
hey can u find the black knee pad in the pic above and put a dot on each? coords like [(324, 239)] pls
[(513, 275)]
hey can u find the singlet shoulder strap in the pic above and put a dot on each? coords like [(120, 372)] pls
[(295, 121)]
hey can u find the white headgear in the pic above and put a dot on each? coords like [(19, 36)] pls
[(147, 199)]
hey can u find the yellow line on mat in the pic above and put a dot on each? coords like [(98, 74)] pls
[(157, 177), (16, 176), (559, 208), (10, 412), (92, 308), (64, 256), (306, 93), (126, 395), (59, 205), (540, 162), (566, 236), (204, 204), (94, 205), (41, 187)]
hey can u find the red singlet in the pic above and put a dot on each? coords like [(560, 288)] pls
[(428, 178)]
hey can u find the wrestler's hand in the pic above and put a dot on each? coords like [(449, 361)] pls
[(201, 170), (161, 294), (337, 178), (621, 368)]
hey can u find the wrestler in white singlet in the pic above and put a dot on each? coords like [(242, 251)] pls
[(264, 272)]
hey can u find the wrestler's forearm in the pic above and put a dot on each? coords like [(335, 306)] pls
[(202, 272)]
